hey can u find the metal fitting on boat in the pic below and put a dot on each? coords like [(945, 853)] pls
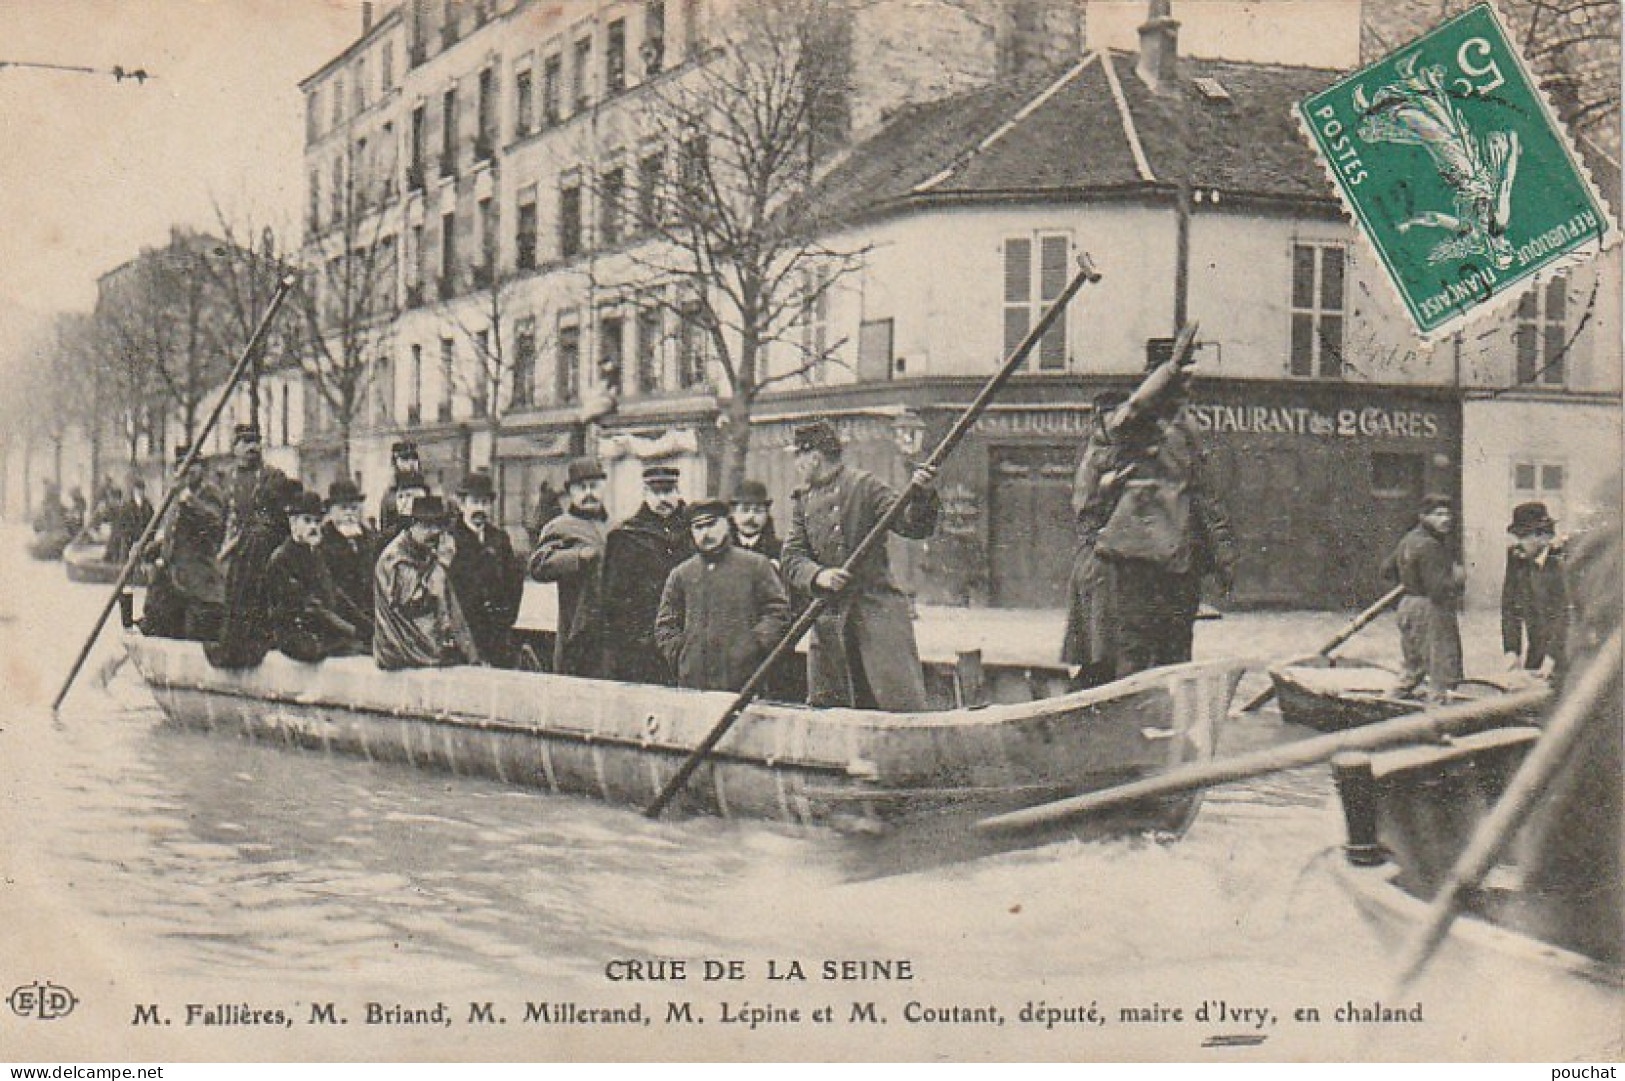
[(1357, 790)]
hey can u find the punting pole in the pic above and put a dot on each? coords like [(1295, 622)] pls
[(1548, 758), (1427, 725), (1350, 629), (875, 537), (284, 287)]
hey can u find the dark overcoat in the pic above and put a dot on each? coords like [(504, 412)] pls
[(638, 556), (351, 561), (568, 553), (1535, 607), (490, 582), (245, 629), (720, 615), (303, 605), (864, 640)]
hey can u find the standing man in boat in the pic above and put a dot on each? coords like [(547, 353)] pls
[(245, 627), (245, 486), (723, 609), (567, 553), (1089, 647), (417, 621), (1534, 596), (638, 556), (751, 513), (351, 552), (1429, 634), (404, 466), (187, 593), (305, 608), (486, 575), (863, 651)]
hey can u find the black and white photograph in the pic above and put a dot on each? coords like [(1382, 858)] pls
[(811, 530)]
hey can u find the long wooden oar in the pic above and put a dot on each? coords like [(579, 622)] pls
[(1350, 629), (1426, 725), (1551, 753), (874, 538), (139, 547)]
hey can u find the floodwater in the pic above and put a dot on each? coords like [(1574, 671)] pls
[(148, 864)]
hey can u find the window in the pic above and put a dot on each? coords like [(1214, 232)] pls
[(654, 37), (315, 201), (483, 363), (386, 66), (448, 373), (611, 195), (649, 333), (691, 28), (448, 254), (313, 117), (875, 350), (524, 363), (336, 195), (615, 57), (522, 104), (691, 346), (815, 289), (419, 268), (361, 85), (568, 372), (414, 390), (485, 117), (383, 407), (389, 154), (525, 239), (651, 174), (338, 101), (1542, 332), (414, 172), (361, 174), (580, 77), (694, 169), (611, 352), (1538, 480), (1035, 274), (552, 74), (570, 221), (286, 437), (488, 241), (448, 133), (1317, 311)]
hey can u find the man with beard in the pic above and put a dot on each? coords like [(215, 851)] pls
[(638, 555), (302, 603), (407, 471), (186, 594), (723, 609), (568, 553), (351, 552), (407, 490), (863, 652), (485, 574), (1429, 633), (245, 629), (245, 485), (417, 622)]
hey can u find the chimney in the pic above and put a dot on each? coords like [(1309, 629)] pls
[(1159, 49), (366, 17)]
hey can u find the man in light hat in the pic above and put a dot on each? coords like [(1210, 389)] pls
[(485, 573), (303, 605), (638, 555), (351, 552), (568, 552), (417, 621), (862, 651), (723, 609), (1429, 633), (406, 471), (1534, 596)]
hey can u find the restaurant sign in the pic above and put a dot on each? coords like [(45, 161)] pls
[(1369, 422)]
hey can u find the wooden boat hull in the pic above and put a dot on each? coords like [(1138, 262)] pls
[(620, 742), (1329, 695), (85, 563)]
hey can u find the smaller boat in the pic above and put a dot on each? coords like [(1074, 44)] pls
[(86, 558), (48, 545), (1330, 694)]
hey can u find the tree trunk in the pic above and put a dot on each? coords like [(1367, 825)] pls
[(346, 422), (736, 447)]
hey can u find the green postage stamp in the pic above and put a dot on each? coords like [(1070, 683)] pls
[(1459, 172)]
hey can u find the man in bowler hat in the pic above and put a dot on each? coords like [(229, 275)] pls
[(417, 620), (351, 551), (485, 572), (305, 609), (567, 554), (1534, 596)]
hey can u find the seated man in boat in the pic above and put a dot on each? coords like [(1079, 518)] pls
[(186, 595), (306, 611), (486, 575), (723, 609), (1429, 633), (417, 622), (862, 652), (1534, 596), (351, 552), (568, 553), (639, 554), (408, 489)]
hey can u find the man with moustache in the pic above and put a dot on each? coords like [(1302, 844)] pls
[(723, 609), (417, 621), (638, 555), (567, 553), (486, 574), (751, 513), (244, 484), (304, 606), (406, 472), (351, 552)]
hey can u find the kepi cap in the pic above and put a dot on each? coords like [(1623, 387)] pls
[(707, 510), (404, 448), (245, 431), (662, 475), (820, 435), (1434, 500)]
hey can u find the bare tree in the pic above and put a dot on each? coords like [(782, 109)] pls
[(244, 277), (736, 232)]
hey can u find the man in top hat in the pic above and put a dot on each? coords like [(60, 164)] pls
[(638, 555), (417, 620), (1534, 596), (1429, 633), (246, 483), (723, 609), (485, 573), (862, 651), (187, 592), (351, 552), (303, 605), (404, 465), (568, 552)]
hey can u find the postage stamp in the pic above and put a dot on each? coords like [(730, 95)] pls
[(1458, 171)]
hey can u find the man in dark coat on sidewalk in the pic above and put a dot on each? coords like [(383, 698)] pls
[(351, 551), (485, 572), (723, 610), (1534, 596), (638, 556), (863, 651), (303, 605), (568, 553)]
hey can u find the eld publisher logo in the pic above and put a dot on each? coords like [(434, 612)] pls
[(42, 1001)]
